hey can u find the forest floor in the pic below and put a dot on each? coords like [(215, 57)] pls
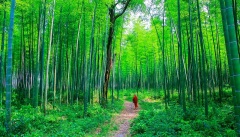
[(124, 119)]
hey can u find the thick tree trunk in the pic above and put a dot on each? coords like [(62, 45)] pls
[(233, 57), (109, 58), (113, 18)]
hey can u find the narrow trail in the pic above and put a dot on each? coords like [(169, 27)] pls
[(124, 120)]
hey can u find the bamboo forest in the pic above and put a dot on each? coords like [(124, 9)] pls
[(120, 68)]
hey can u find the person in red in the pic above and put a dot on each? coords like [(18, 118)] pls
[(135, 101)]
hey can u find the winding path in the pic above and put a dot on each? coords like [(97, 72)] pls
[(124, 120)]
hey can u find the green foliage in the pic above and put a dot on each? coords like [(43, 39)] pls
[(61, 121), (2, 119), (153, 120), (141, 59)]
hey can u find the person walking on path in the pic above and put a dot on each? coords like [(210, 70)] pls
[(135, 101)]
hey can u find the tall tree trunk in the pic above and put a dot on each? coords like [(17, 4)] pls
[(84, 64), (181, 78), (192, 72), (235, 15), (36, 75), (42, 53), (48, 60), (55, 74), (203, 61), (1, 54), (9, 69), (90, 79), (109, 58), (226, 38), (119, 62), (113, 18), (163, 60), (68, 63), (77, 52), (233, 49), (60, 69)]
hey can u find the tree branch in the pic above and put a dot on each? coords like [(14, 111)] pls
[(115, 4), (124, 9)]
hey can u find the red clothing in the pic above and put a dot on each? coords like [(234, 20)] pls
[(135, 101)]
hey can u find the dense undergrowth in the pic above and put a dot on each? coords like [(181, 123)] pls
[(155, 121), (61, 121)]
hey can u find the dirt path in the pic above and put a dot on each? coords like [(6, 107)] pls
[(124, 120)]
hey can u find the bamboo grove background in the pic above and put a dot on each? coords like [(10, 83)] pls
[(59, 51)]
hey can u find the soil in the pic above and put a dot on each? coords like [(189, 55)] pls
[(124, 120)]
